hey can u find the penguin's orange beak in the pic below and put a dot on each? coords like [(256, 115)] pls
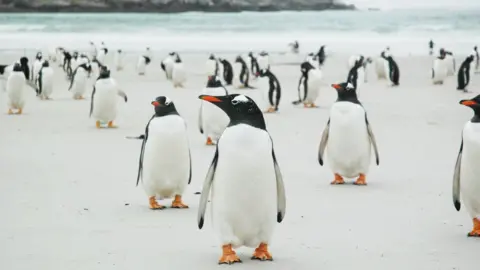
[(336, 86), (469, 103), (155, 103), (210, 98)]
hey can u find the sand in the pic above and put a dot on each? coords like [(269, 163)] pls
[(68, 198)]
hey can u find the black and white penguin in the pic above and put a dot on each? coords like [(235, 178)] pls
[(5, 70), (321, 56), (243, 75), (254, 68), (167, 65), (102, 53), (78, 81), (118, 60), (430, 47), (24, 67), (451, 63), (477, 58), (45, 81), (392, 71), (143, 61), (348, 137), (67, 63), (465, 177), (211, 66), (294, 47), (464, 73), (15, 88), (263, 61), (356, 74), (179, 74), (440, 68), (274, 88), (92, 50), (37, 65), (103, 103), (244, 166), (165, 166), (227, 71), (308, 85)]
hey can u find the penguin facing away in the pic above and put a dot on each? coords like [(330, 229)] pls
[(465, 177), (273, 88), (392, 71), (179, 75), (212, 121), (15, 88), (464, 72), (78, 81), (244, 74), (45, 81), (348, 138), (451, 63), (118, 60), (308, 85), (165, 166), (248, 193), (227, 71)]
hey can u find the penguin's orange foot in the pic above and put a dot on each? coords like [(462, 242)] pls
[(229, 256), (261, 253), (361, 180), (111, 125), (476, 228), (154, 204), (10, 111), (98, 124), (177, 202), (209, 141), (270, 110), (20, 111), (338, 180)]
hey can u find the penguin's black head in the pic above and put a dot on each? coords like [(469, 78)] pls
[(213, 82), (263, 53), (39, 56), (45, 64), (104, 73), (17, 67), (211, 57), (238, 59), (305, 67), (473, 103), (171, 53), (164, 106), (240, 109), (346, 92), (119, 51), (250, 54), (177, 59), (475, 48), (24, 61)]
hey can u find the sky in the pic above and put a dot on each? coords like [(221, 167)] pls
[(400, 4)]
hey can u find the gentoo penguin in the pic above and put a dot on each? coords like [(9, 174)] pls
[(74, 63), (37, 65), (244, 74), (211, 66), (392, 70), (143, 61), (308, 85), (465, 177), (254, 68), (167, 65), (312, 59), (102, 53), (356, 74), (92, 50), (451, 64), (362, 71), (211, 120), (24, 67), (59, 51), (16, 89), (381, 65), (464, 72), (103, 105), (67, 63), (227, 71), (179, 75), (348, 137), (440, 68), (321, 56), (430, 47), (165, 165), (45, 81), (248, 193), (477, 58), (78, 81), (118, 60), (263, 61), (294, 47), (273, 88)]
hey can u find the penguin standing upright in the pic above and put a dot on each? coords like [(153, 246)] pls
[(167, 65), (273, 88), (244, 74), (356, 75), (179, 75), (37, 65), (118, 60), (248, 193), (477, 58), (381, 65), (308, 85), (392, 70), (165, 165), (52, 54), (211, 120), (227, 71), (78, 81), (451, 64), (464, 72), (440, 68), (294, 47), (92, 50), (143, 61), (211, 66), (25, 68), (103, 104), (321, 56), (348, 137), (16, 89), (263, 61), (102, 53), (430, 47), (254, 68), (465, 177), (45, 81)]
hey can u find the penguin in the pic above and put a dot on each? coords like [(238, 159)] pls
[(430, 47), (321, 56), (451, 64), (477, 58), (24, 67), (312, 59), (118, 60), (74, 63), (248, 193), (167, 65), (16, 89), (52, 54), (37, 65), (227, 71), (211, 66), (440, 68), (273, 88), (464, 72), (102, 53), (103, 103), (78, 81), (362, 69), (67, 63), (263, 61), (45, 81), (356, 74), (244, 74), (392, 70), (308, 85), (348, 137), (143, 61), (92, 50), (59, 51), (165, 166), (465, 176), (211, 120), (254, 68), (179, 75), (294, 47)]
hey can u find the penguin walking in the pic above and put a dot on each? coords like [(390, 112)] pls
[(464, 72), (16, 89), (273, 88), (254, 68), (45, 81), (179, 74), (440, 68), (263, 61), (118, 60), (392, 71), (78, 81), (103, 104), (465, 177), (102, 53), (92, 50), (143, 61), (211, 120), (244, 74), (167, 65), (227, 71), (451, 64), (348, 137), (244, 166), (165, 166), (308, 85), (211, 66)]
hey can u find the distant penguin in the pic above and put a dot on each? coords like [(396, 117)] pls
[(381, 66), (430, 47), (179, 74), (440, 68), (52, 54), (254, 68), (392, 70), (348, 138), (362, 71), (273, 89), (59, 51), (118, 60), (102, 53), (103, 104), (477, 59), (92, 50), (45, 81), (248, 193), (464, 73), (78, 81), (263, 61), (321, 56), (212, 121), (308, 85), (450, 63), (211, 66), (67, 63), (465, 177), (227, 71), (143, 61), (167, 65), (244, 74), (294, 47), (165, 166), (25, 68), (312, 59), (15, 87), (356, 74)]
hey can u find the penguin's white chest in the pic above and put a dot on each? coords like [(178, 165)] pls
[(348, 148), (210, 67), (214, 120), (105, 100), (313, 83), (166, 164), (261, 94), (80, 82), (168, 66), (244, 192), (36, 68), (47, 81), (178, 74), (380, 68), (470, 169), (440, 70), (16, 90)]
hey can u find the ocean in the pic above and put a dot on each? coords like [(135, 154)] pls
[(407, 32)]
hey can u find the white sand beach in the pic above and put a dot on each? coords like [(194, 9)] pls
[(68, 198)]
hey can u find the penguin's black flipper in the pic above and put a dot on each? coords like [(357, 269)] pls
[(91, 101), (190, 161), (456, 180), (323, 143), (281, 198), (72, 78), (372, 140), (207, 184), (142, 151)]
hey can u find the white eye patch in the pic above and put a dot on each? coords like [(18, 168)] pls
[(350, 86), (240, 98), (167, 101)]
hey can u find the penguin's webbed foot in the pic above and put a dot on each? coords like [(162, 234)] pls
[(338, 180), (10, 111), (271, 110), (98, 124), (154, 204), (111, 125), (361, 180), (261, 253), (229, 256), (177, 202), (476, 228), (310, 105), (20, 111)]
